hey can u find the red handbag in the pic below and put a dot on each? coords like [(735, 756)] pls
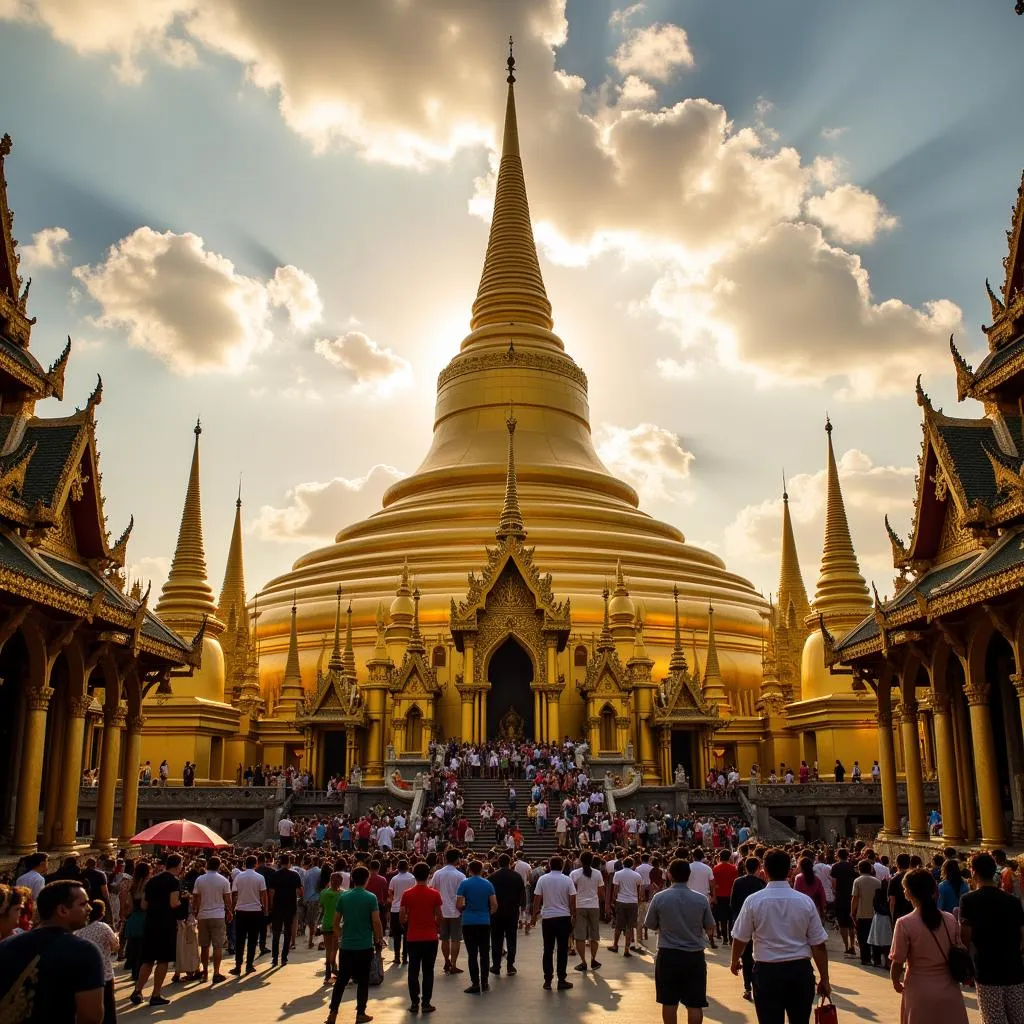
[(825, 1012)]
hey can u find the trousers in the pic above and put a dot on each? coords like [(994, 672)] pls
[(555, 932), (398, 936), (783, 990), (504, 932), (422, 956), (278, 925), (477, 938), (248, 924), (353, 965)]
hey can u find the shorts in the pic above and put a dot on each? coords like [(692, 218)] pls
[(160, 943), (626, 915), (681, 976), (451, 929), (843, 917), (588, 924), (309, 913), (212, 931)]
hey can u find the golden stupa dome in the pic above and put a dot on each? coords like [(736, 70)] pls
[(581, 519)]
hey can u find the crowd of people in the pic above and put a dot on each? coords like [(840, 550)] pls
[(201, 919)]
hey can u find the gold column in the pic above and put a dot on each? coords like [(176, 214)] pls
[(666, 756), (594, 730), (553, 727), (483, 716), (110, 754), (918, 821), (622, 734), (993, 831), (374, 774), (130, 782), (949, 790), (887, 766), (536, 715), (927, 721), (64, 831), (26, 820), (965, 769), (644, 704), (53, 754), (467, 718)]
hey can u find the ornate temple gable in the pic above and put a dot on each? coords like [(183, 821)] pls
[(679, 701), (414, 677), (337, 699), (605, 675)]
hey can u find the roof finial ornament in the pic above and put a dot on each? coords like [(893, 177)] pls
[(785, 495), (511, 522), (238, 500), (511, 62), (828, 423), (198, 428), (677, 661)]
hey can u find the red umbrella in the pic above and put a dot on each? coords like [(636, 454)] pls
[(179, 833)]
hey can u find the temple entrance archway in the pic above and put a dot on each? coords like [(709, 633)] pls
[(510, 701), (334, 744), (684, 751)]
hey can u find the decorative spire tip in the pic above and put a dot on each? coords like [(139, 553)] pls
[(511, 62)]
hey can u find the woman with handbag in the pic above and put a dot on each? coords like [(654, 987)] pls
[(925, 946)]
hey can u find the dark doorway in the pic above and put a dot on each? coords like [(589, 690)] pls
[(682, 753), (334, 753), (13, 673), (510, 702)]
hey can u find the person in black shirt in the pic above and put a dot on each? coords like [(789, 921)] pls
[(95, 882), (843, 877), (283, 889), (69, 870), (744, 886), (161, 899), (509, 888), (839, 771), (46, 974), (898, 902), (994, 921)]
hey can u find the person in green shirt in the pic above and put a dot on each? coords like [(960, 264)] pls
[(328, 908), (357, 922)]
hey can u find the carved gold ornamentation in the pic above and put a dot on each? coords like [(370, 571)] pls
[(117, 717), (78, 707), (977, 694), (39, 697), (519, 358)]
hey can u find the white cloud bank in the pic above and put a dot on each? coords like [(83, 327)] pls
[(369, 366), (46, 248), (647, 456), (190, 307)]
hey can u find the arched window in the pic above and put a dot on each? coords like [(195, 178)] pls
[(579, 657), (439, 658), (414, 731), (608, 739)]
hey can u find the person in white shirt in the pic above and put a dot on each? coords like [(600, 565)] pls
[(881, 870), (701, 876), (34, 877), (385, 837), (396, 890), (211, 903), (787, 934), (249, 903), (446, 881), (626, 897), (554, 902), (285, 827), (589, 894)]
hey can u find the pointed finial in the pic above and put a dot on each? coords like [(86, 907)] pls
[(511, 524), (350, 655), (238, 500), (828, 423), (295, 601), (713, 686), (677, 660), (511, 62), (785, 494), (605, 595), (198, 428), (336, 661)]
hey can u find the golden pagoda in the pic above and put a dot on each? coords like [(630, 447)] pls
[(585, 526)]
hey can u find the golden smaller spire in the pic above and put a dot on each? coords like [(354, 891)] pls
[(605, 642), (511, 522), (639, 646), (349, 657), (337, 664), (232, 591), (416, 644), (677, 662), (792, 592), (292, 690), (771, 688), (696, 659), (714, 687)]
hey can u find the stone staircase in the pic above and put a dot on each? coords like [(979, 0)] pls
[(476, 791)]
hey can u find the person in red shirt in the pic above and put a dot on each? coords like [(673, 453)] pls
[(420, 915), (378, 885), (725, 873), (363, 830)]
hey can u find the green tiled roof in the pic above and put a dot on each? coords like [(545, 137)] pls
[(994, 360), (21, 355), (54, 447)]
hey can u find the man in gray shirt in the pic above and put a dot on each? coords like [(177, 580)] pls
[(682, 919)]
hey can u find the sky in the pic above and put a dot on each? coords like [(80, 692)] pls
[(273, 217)]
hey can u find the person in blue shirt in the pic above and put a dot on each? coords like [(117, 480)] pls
[(476, 899)]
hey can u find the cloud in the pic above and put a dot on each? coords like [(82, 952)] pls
[(793, 309), (834, 133), (46, 248), (296, 291), (851, 215), (153, 568), (188, 306), (647, 456), (870, 492), (317, 511), (623, 15), (672, 369), (370, 367), (655, 52)]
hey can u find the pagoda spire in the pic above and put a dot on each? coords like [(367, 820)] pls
[(13, 292), (187, 598), (292, 690), (841, 590), (677, 662), (336, 664), (696, 658), (232, 591), (349, 656), (416, 644), (605, 643), (771, 689), (511, 288), (511, 522), (792, 593), (714, 687)]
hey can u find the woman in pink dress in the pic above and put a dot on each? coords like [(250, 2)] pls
[(920, 945), (807, 882)]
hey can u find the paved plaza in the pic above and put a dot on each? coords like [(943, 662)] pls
[(622, 987)]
